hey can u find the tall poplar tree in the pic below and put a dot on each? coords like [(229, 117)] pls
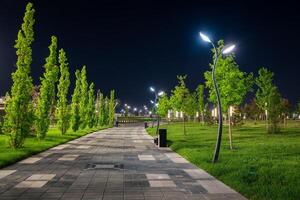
[(47, 91), (111, 108), (91, 106), (101, 110), (83, 98), (63, 112), (75, 116), (98, 108), (19, 114)]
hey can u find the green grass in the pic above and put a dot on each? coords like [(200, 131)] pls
[(262, 166), (33, 146)]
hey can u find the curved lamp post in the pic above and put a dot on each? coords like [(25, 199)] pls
[(226, 50)]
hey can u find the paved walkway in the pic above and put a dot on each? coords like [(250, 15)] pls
[(117, 163)]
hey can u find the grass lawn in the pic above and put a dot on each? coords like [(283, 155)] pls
[(262, 166), (33, 146)]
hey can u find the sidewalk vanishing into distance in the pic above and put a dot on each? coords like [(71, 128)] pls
[(116, 163)]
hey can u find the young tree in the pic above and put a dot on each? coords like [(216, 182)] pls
[(47, 90), (18, 109), (112, 108), (75, 116), (83, 98), (200, 101), (233, 84), (274, 110), (190, 104), (265, 94), (63, 114), (91, 118), (163, 105), (178, 96)]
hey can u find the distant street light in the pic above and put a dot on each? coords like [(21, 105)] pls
[(226, 50), (155, 104)]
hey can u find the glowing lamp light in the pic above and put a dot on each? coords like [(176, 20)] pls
[(204, 37), (161, 93), (228, 49), (152, 89)]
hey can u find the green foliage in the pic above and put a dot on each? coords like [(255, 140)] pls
[(19, 110), (63, 110), (269, 99), (75, 116), (100, 108), (233, 84), (111, 108), (47, 90), (200, 100), (83, 98), (265, 85), (264, 167), (91, 118), (189, 106), (274, 108), (106, 111), (163, 105), (178, 94)]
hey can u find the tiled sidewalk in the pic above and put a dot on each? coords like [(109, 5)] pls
[(117, 163)]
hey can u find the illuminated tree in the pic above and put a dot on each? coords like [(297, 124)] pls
[(111, 108), (178, 96), (233, 84), (75, 116), (63, 111), (18, 109), (83, 98), (47, 90), (91, 117)]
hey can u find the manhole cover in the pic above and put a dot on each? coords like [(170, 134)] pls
[(104, 166)]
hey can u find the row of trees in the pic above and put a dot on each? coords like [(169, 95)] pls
[(234, 85), (26, 113)]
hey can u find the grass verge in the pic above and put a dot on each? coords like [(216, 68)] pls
[(33, 146), (261, 167)]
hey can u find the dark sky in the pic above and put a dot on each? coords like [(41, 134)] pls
[(131, 45)]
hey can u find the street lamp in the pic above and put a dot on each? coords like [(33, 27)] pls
[(160, 93), (226, 50)]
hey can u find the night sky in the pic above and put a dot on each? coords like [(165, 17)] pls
[(131, 45)]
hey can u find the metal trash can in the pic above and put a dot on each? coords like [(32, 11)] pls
[(155, 140), (162, 138), (146, 125)]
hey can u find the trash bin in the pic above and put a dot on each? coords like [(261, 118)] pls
[(116, 123), (146, 125), (155, 140), (162, 138)]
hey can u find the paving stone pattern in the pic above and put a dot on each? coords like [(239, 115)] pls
[(117, 163)]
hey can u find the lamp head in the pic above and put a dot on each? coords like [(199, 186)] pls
[(204, 37), (152, 89), (161, 93), (228, 49)]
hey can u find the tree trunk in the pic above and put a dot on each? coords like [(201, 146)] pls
[(229, 130), (202, 117)]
